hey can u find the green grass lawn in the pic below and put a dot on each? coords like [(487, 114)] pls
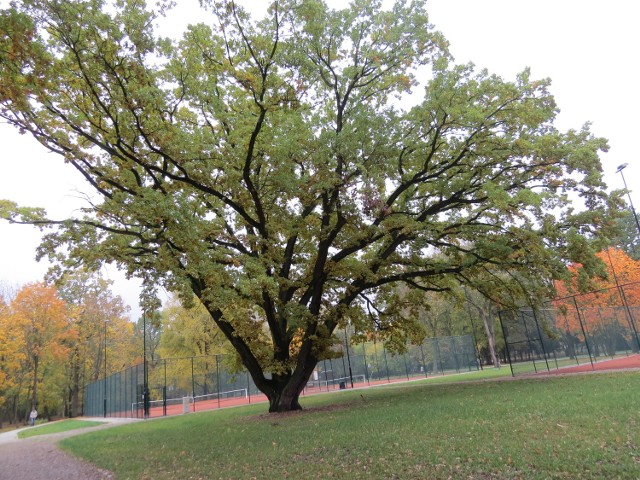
[(474, 375), (585, 426), (57, 427)]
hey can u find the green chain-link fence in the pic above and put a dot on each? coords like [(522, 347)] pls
[(179, 385), (573, 330)]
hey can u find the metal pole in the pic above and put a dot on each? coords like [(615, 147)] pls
[(326, 374), (386, 364), (344, 365), (366, 367), (127, 392), (633, 210), (217, 380), (584, 332), (104, 405), (145, 384), (164, 390), (544, 350), (375, 352), (193, 386), (506, 342)]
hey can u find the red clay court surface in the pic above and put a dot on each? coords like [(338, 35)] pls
[(621, 363)]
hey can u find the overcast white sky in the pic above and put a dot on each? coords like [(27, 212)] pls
[(588, 48)]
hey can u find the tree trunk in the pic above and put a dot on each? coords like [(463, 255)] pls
[(74, 388), (491, 337), (14, 408), (284, 401), (284, 396), (34, 397), (75, 401), (285, 390)]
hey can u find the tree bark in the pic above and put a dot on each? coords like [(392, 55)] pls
[(34, 396), (284, 401), (284, 396), (491, 337)]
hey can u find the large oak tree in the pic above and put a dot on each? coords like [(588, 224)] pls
[(291, 171)]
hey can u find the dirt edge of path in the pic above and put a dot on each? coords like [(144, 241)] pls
[(40, 458)]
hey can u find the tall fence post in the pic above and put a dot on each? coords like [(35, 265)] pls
[(326, 372), (544, 349), (217, 381), (386, 364), (584, 332), (506, 342), (366, 366), (164, 390), (526, 332), (193, 386), (406, 367)]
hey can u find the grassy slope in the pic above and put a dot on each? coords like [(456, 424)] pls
[(562, 427)]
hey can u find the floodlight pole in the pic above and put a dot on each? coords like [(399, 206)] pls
[(145, 380), (633, 210), (104, 403)]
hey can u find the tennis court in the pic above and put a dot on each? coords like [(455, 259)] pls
[(189, 384), (243, 396), (619, 363)]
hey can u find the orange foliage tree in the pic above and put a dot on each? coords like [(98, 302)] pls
[(6, 349), (37, 327), (607, 313), (55, 340), (101, 329)]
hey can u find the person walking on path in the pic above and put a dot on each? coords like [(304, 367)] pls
[(32, 416)]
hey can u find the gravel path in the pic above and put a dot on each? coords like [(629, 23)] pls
[(39, 458)]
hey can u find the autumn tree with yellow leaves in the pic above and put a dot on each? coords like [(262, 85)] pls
[(36, 328), (53, 341)]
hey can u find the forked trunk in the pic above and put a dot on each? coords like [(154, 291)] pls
[(284, 402), (285, 391), (284, 396)]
